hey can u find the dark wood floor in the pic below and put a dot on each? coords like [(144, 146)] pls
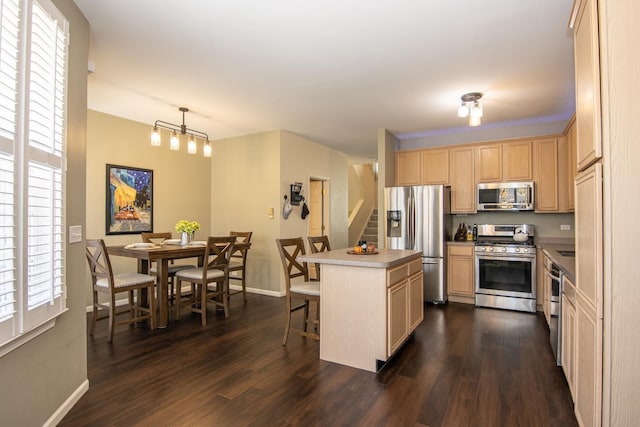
[(465, 366)]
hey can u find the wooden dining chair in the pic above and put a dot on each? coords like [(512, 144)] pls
[(318, 244), (238, 261), (158, 238), (305, 291), (215, 271), (105, 282)]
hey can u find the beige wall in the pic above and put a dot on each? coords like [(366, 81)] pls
[(245, 184), (38, 377), (251, 174), (181, 181), (387, 144)]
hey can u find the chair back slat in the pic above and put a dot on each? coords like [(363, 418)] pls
[(289, 250), (319, 244), (240, 251), (155, 237), (99, 262), (218, 251)]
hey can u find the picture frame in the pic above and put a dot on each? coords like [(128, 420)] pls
[(129, 200)]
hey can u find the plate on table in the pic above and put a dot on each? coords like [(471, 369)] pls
[(197, 243), (141, 245), (363, 253), (171, 242)]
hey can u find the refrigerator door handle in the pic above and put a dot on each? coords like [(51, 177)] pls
[(412, 221)]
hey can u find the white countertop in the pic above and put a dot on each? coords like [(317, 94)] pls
[(385, 258)]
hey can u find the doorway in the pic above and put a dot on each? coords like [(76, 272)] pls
[(318, 207)]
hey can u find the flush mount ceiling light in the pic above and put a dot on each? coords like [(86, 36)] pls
[(176, 130), (471, 107)]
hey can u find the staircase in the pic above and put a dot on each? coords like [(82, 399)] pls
[(370, 234)]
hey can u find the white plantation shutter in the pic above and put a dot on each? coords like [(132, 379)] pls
[(32, 150), (9, 52)]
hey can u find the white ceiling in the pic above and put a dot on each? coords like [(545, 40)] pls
[(333, 71)]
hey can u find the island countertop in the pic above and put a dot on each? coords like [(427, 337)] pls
[(385, 258)]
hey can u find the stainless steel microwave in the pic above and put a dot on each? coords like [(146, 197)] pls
[(505, 196)]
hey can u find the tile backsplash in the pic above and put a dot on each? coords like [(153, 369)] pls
[(547, 225)]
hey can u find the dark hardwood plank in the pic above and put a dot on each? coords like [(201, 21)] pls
[(464, 366)]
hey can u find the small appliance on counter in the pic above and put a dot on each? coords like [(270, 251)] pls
[(505, 257)]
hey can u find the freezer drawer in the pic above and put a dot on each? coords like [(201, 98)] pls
[(434, 279)]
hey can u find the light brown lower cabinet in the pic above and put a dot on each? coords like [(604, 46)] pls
[(588, 364), (569, 334), (405, 304), (460, 270)]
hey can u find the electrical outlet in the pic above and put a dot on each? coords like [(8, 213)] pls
[(565, 227)]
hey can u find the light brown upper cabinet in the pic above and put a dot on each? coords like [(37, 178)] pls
[(567, 170), (408, 168), (546, 174), (587, 65), (517, 161), (463, 184), (489, 162), (435, 167)]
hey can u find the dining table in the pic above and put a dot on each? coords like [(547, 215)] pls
[(161, 254)]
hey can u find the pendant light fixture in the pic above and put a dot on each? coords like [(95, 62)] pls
[(176, 131), (471, 107)]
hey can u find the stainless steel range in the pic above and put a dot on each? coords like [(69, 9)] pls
[(506, 267)]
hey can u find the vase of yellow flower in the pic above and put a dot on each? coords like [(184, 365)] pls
[(186, 230)]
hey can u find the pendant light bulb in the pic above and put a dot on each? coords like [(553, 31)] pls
[(191, 145), (207, 149), (174, 143), (463, 110), (476, 109), (155, 137), (474, 120)]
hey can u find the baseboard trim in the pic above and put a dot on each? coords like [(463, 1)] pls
[(64, 409)]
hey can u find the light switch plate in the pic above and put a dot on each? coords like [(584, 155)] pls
[(565, 227), (75, 233)]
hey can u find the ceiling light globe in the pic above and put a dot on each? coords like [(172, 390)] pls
[(474, 121), (155, 137), (174, 143), (463, 110), (207, 149), (191, 145)]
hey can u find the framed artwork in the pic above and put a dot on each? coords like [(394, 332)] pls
[(129, 200)]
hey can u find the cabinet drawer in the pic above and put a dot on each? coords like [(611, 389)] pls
[(396, 274), (415, 267), (461, 250)]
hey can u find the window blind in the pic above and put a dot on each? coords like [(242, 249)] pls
[(33, 83)]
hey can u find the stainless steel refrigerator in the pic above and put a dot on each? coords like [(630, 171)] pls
[(418, 217)]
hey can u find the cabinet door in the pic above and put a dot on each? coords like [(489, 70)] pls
[(397, 315), (489, 163), (571, 167), (546, 175), (463, 184), (435, 167), (565, 178), (416, 301), (568, 338), (588, 220), (587, 70), (588, 386), (460, 267), (518, 162), (408, 168)]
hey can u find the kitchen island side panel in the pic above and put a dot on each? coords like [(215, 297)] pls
[(353, 315)]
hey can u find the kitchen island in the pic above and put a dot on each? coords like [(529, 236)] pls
[(369, 304)]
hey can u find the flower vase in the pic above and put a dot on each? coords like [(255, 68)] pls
[(184, 238)]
